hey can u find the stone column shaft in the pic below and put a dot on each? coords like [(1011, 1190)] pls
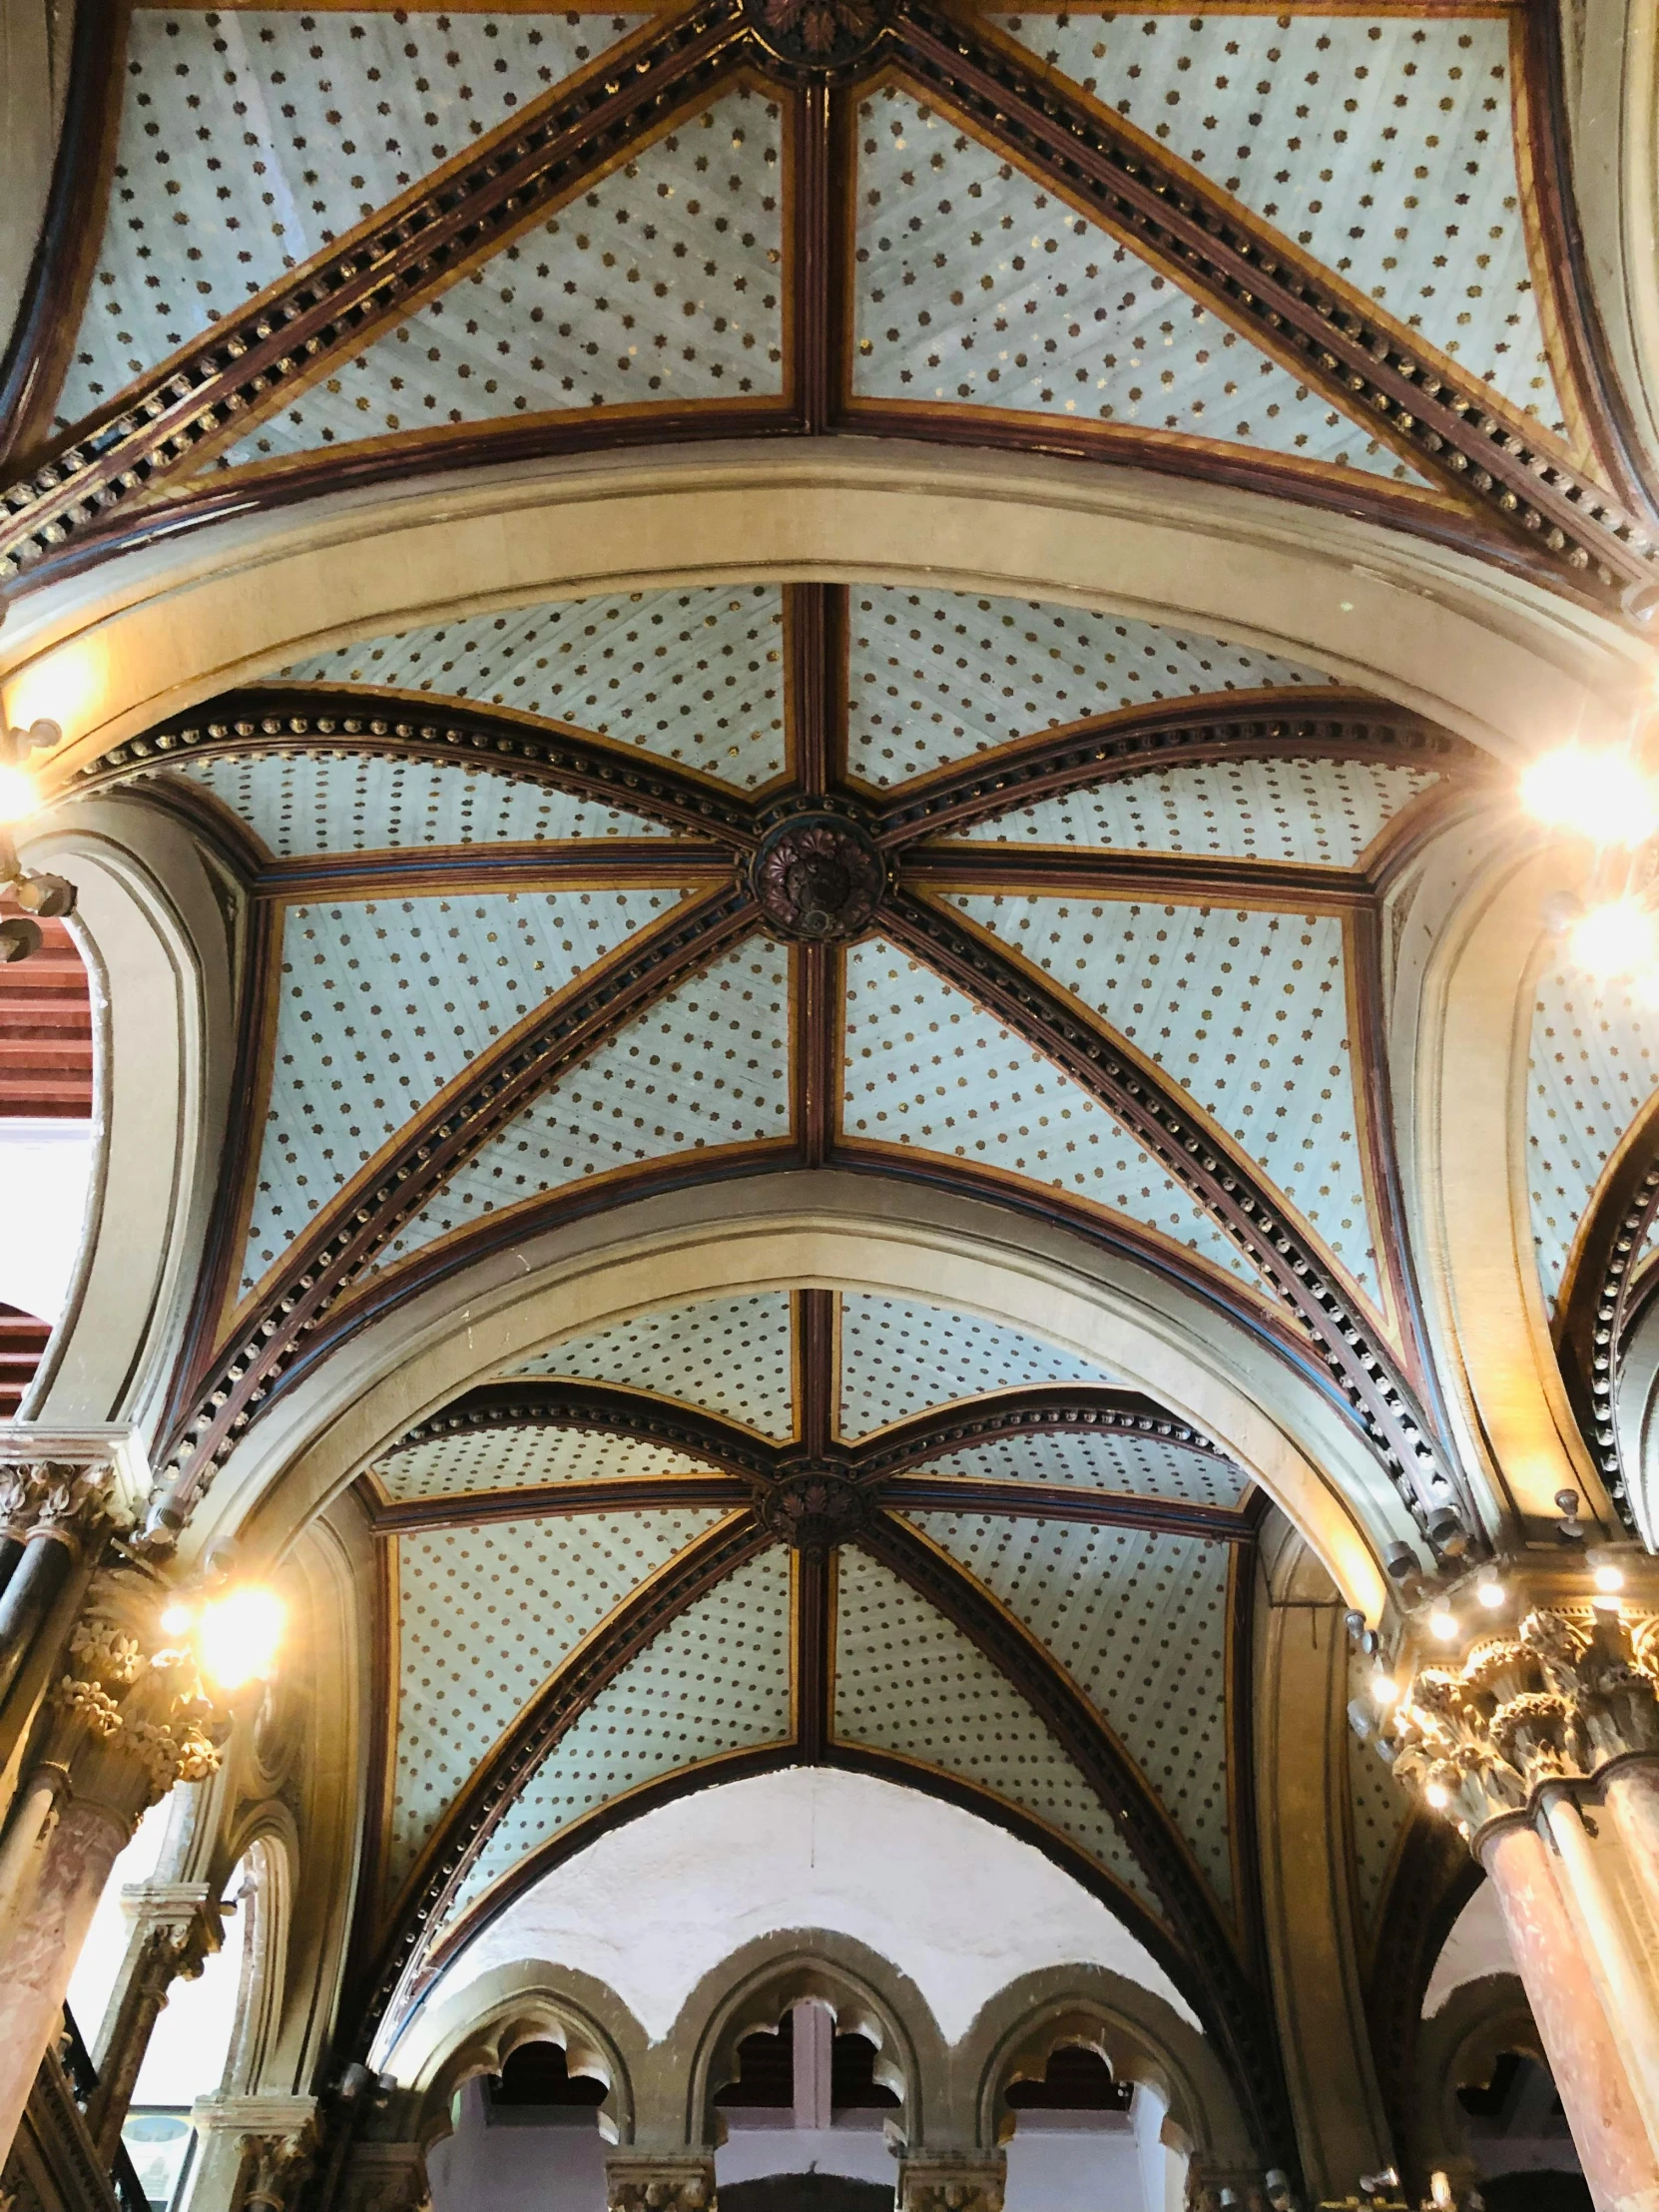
[(1631, 1794), (1601, 2107), (1615, 1962), (27, 1601)]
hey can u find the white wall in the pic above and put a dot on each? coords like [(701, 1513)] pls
[(953, 1901), (45, 1168), (1477, 1946)]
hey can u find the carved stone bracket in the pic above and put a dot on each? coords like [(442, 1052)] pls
[(638, 2181), (385, 2177), (1556, 1701), (277, 2140), (951, 2184)]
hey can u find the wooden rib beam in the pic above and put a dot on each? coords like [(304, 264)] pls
[(598, 1409), (1290, 723), (1044, 1409), (450, 733), (1063, 1501), (1239, 2017), (560, 1500), (1600, 1295), (454, 1846), (342, 1242), (1457, 431), (1081, 873), (253, 363), (1209, 1167)]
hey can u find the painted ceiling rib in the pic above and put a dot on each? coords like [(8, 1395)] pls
[(456, 1843), (1234, 2007), (562, 1500), (816, 1368), (1157, 876), (597, 1408), (342, 1242), (1361, 1364), (1346, 350), (263, 719), (208, 392), (1288, 725), (936, 1493), (812, 1669), (1026, 1410)]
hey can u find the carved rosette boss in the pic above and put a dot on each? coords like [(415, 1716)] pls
[(819, 877), (819, 37)]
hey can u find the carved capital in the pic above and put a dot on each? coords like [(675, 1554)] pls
[(636, 2181), (951, 2184), (130, 1716), (72, 1485), (385, 2177), (277, 2138), (178, 1925), (1556, 1701)]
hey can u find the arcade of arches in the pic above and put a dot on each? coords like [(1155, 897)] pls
[(829, 1242)]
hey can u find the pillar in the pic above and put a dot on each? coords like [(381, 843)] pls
[(62, 1493), (1590, 2075), (125, 1721), (1631, 1792), (255, 2153), (175, 1928)]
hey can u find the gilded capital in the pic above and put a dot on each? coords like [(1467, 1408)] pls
[(130, 1716), (638, 2182), (951, 2184)]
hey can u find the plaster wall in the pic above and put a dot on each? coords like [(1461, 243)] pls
[(1478, 1946), (955, 1903)]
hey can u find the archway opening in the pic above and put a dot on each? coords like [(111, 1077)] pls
[(528, 2134)]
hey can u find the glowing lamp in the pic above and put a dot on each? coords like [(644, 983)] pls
[(1439, 1796), (1384, 1688), (177, 1621), (18, 795), (1602, 796), (237, 1637), (1609, 1579), (1617, 939), (1490, 1593), (1443, 1627)]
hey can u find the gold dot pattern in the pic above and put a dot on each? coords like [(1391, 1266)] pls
[(478, 1461), (924, 1068), (977, 290), (1384, 145), (709, 1066), (1381, 1808), (1313, 813), (1247, 1011), (1133, 1465), (900, 1358), (1139, 1621), (692, 675), (660, 286), (909, 1681), (486, 1615), (729, 1355), (1593, 1064), (382, 1003), (303, 804), (715, 1680), (250, 139), (936, 676)]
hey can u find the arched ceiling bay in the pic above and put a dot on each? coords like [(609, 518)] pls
[(841, 1529), (1318, 254)]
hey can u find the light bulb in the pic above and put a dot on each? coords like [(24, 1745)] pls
[(1384, 1688), (1609, 1578), (18, 795), (1439, 1796), (1443, 1627), (1602, 796), (1617, 939), (1491, 1593), (175, 1621), (238, 1637)]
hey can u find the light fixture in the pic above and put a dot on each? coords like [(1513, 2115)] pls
[(18, 797), (1618, 937), (1384, 1688), (1442, 1626), (237, 1637), (1440, 2188), (1595, 792), (178, 1619), (1609, 1579), (1489, 1590), (1438, 1794)]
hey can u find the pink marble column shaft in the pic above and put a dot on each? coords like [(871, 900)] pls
[(41, 1948), (1633, 1796), (1618, 2161)]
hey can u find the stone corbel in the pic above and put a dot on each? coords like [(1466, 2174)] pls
[(386, 2177), (951, 2184), (642, 2181)]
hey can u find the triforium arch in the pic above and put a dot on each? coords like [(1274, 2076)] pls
[(477, 2030)]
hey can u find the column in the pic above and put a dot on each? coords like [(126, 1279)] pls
[(126, 1721), (1590, 2076), (255, 2153), (176, 1926), (57, 1505), (1631, 1792)]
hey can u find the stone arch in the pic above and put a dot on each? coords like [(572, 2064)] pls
[(267, 1839), (1457, 2048), (1139, 2035), (753, 1988), (483, 2023)]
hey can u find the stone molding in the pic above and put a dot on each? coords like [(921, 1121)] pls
[(951, 2184), (640, 2181), (277, 2138), (1556, 1701)]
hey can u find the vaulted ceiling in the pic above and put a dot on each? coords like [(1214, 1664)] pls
[(548, 904)]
